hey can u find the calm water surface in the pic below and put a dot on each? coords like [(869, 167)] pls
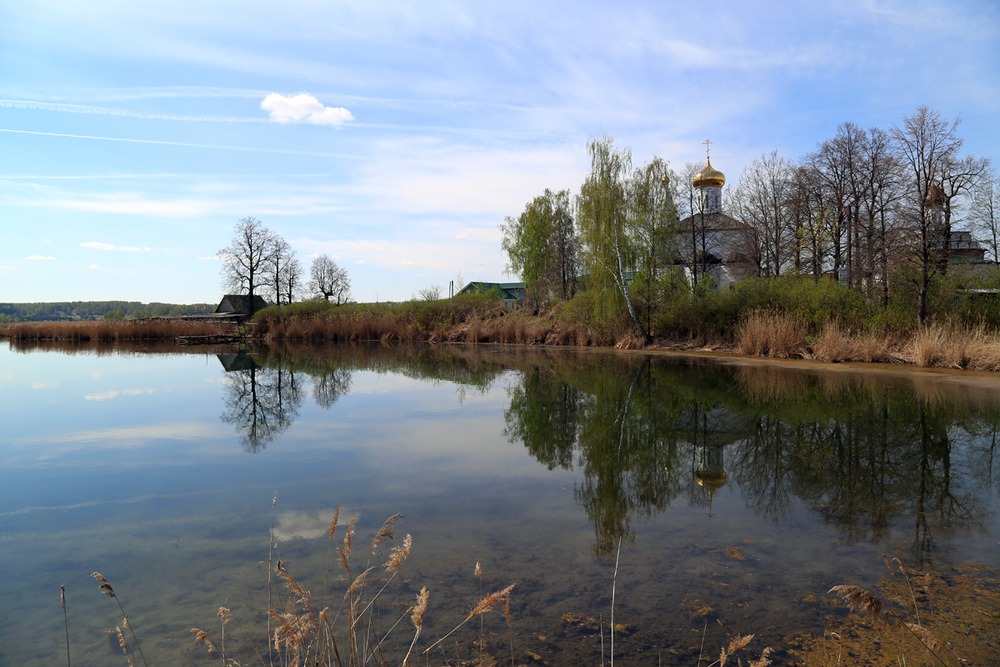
[(739, 493)]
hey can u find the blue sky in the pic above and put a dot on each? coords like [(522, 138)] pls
[(396, 136)]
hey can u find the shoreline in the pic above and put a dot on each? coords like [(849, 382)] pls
[(896, 358)]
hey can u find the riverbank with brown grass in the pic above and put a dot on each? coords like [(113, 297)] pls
[(123, 331), (759, 334)]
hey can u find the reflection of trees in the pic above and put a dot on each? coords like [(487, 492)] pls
[(263, 394), (866, 454), (612, 421), (329, 386), (259, 402), (543, 415)]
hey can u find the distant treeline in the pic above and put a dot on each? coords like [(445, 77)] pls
[(96, 310)]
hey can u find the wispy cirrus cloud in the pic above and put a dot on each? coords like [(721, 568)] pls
[(97, 245), (303, 108), (41, 105), (184, 144), (40, 258)]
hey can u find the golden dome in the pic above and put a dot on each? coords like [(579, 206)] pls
[(709, 177), (712, 481)]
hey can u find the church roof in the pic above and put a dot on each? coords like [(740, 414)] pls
[(709, 177), (710, 222)]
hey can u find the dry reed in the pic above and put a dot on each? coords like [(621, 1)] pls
[(106, 588), (859, 599), (770, 334), (833, 344), (483, 606), (115, 332), (895, 626), (62, 603), (953, 347), (300, 633)]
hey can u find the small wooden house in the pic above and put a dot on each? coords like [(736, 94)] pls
[(240, 306)]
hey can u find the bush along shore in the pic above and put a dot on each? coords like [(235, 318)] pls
[(790, 318)]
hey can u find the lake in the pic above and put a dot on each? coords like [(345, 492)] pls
[(697, 498)]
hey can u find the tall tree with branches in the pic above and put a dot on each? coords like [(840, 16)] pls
[(246, 258), (926, 143), (541, 246), (329, 280), (986, 212), (283, 271), (602, 216)]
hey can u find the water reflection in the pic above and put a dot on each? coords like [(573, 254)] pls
[(866, 453), (861, 452), (259, 402)]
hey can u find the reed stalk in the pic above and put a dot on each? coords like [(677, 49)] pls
[(62, 602), (106, 588)]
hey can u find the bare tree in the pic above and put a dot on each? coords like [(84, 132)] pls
[(761, 201), (329, 280), (691, 207), (808, 215), (245, 259), (432, 293), (926, 144), (882, 189), (985, 218), (284, 272), (956, 182), (290, 279)]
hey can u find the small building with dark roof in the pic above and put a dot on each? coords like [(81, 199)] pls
[(239, 306)]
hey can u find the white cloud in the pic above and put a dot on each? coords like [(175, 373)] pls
[(5, 267), (303, 108), (97, 245), (40, 258), (94, 267)]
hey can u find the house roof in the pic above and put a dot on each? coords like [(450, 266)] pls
[(241, 303), (514, 291), (712, 221)]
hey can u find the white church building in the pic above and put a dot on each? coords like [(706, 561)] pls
[(710, 242)]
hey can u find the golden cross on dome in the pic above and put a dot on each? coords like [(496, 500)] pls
[(707, 146)]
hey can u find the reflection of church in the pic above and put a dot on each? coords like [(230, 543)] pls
[(709, 432), (711, 242), (711, 471)]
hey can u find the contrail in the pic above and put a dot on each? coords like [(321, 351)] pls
[(156, 142), (122, 113)]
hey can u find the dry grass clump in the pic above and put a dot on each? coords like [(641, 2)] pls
[(115, 332), (771, 334), (953, 347), (835, 343), (873, 348), (858, 599), (732, 649), (924, 618)]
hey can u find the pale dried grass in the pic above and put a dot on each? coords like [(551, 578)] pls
[(113, 332), (833, 344), (953, 347), (770, 334)]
